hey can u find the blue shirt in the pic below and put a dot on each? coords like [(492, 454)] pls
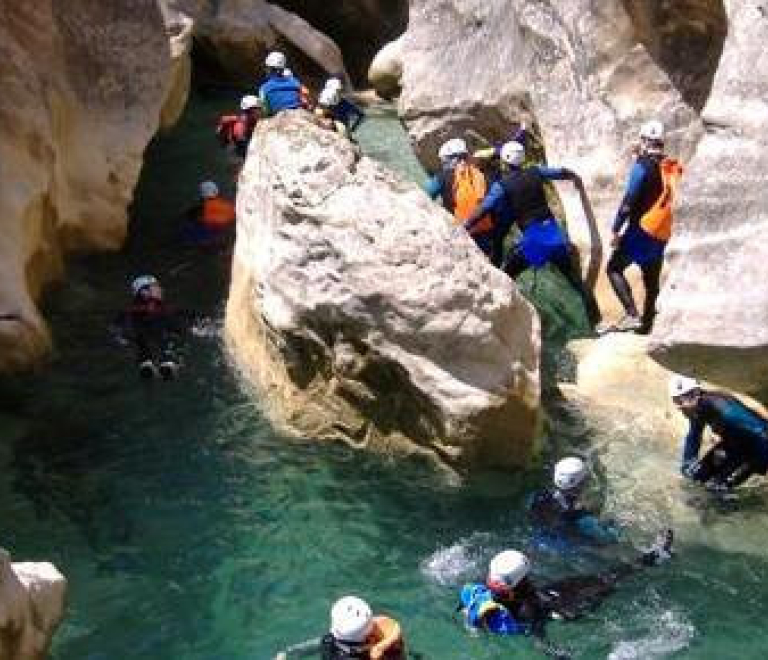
[(631, 195), (280, 92)]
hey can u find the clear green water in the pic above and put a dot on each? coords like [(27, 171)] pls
[(189, 530)]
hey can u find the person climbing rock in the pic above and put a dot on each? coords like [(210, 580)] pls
[(342, 115), (152, 327), (642, 227), (558, 514), (354, 633), (742, 448), (235, 131), (521, 189), (509, 603), (211, 220), (462, 186), (280, 91)]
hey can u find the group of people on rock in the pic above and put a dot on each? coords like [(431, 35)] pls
[(488, 200)]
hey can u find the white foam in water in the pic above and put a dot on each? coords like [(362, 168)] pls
[(464, 560), (671, 633)]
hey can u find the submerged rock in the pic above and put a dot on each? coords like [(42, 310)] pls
[(713, 318), (360, 317), (31, 607)]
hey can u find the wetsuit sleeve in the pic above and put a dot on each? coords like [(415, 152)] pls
[(308, 649), (554, 173), (631, 194), (501, 622), (691, 445), (494, 195), (434, 186), (591, 527)]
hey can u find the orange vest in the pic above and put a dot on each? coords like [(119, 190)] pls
[(386, 640), (469, 189), (657, 220), (218, 213)]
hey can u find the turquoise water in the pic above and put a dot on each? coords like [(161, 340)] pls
[(190, 530)]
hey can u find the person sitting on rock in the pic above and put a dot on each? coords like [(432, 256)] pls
[(509, 603), (462, 186), (344, 115), (152, 327), (559, 515), (354, 633), (279, 92), (521, 189), (643, 226), (742, 449), (211, 219), (235, 131)]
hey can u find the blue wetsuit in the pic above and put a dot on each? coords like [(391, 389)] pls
[(280, 92), (348, 114), (742, 450), (484, 612), (644, 187)]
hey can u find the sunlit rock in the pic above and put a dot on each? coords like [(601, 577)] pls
[(386, 70), (180, 28), (360, 317), (31, 607), (83, 85), (714, 305)]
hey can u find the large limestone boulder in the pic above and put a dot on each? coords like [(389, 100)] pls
[(386, 70), (83, 85), (714, 306), (585, 75), (31, 607), (360, 317), (636, 436)]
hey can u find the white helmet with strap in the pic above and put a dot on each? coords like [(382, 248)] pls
[(452, 149), (275, 60), (513, 153), (351, 619), (509, 567), (570, 472), (680, 385), (142, 282), (208, 189), (249, 101)]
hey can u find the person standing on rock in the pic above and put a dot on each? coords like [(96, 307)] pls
[(462, 186), (742, 450), (521, 190), (342, 113), (279, 92), (643, 225)]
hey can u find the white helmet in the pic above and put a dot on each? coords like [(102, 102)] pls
[(275, 60), (680, 385), (334, 83), (328, 98), (513, 153), (453, 148), (509, 567), (208, 189), (249, 101), (351, 619), (569, 473), (652, 130), (142, 282)]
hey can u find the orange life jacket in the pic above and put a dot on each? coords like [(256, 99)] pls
[(468, 190), (657, 220), (232, 128), (218, 213), (386, 639)]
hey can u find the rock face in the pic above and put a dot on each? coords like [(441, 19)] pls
[(714, 307), (360, 318), (584, 74), (31, 608), (83, 85), (180, 28)]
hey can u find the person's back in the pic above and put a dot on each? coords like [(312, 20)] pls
[(279, 93), (526, 196)]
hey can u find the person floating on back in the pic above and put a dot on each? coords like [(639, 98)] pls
[(152, 327), (558, 514), (342, 115), (279, 91), (643, 226), (462, 186), (521, 189), (742, 448), (235, 131), (354, 633), (211, 220)]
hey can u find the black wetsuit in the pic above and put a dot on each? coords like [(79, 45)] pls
[(559, 518), (152, 327)]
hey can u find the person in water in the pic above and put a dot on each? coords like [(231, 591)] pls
[(211, 219), (235, 131), (643, 226), (742, 448), (354, 633), (509, 603), (558, 512), (462, 185), (279, 91), (151, 326), (521, 189)]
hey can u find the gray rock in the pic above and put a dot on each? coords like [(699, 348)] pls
[(714, 306), (361, 317)]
